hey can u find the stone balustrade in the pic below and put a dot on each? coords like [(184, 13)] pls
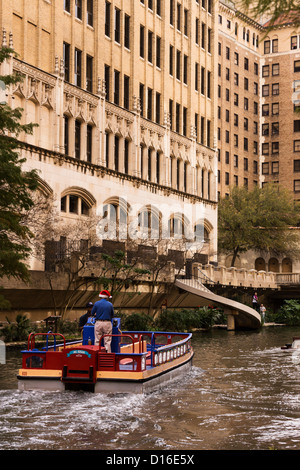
[(234, 276)]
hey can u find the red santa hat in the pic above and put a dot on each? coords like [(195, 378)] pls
[(104, 294)]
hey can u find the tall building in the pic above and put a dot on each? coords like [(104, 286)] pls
[(258, 110), (150, 110), (124, 96)]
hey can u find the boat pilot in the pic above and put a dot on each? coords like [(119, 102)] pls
[(84, 318), (104, 312)]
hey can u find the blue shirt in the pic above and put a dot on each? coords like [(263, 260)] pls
[(103, 310)]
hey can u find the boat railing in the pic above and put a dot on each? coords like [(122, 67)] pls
[(32, 336), (155, 355)]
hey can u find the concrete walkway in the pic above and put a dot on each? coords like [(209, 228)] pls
[(239, 316)]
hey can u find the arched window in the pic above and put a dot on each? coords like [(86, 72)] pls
[(287, 265), (149, 223), (76, 201), (114, 219), (260, 264), (273, 265)]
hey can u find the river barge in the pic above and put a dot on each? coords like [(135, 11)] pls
[(139, 361)]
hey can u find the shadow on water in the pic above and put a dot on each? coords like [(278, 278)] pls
[(242, 393)]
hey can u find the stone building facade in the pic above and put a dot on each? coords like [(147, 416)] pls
[(149, 110), (123, 130)]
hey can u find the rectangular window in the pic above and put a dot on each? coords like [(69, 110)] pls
[(294, 42), (107, 81), (157, 107), (118, 25), (296, 186), (297, 125), (172, 12), (107, 19), (185, 69), (209, 40), (275, 69), (178, 64), (150, 47), (296, 145), (275, 45), (158, 46), (171, 61), (89, 142), (275, 128), (267, 47), (149, 103), (78, 9), (265, 149), (296, 166), (186, 21), (77, 67), (126, 156), (142, 41), (178, 16), (67, 6), (275, 147), (177, 125), (265, 168), (66, 135), (89, 12), (208, 84), (77, 139), (158, 7), (275, 89), (171, 113), (142, 99), (275, 109), (197, 31), (297, 66), (126, 92), (196, 76), (116, 152), (265, 129), (265, 110), (203, 39), (265, 70), (66, 52), (265, 90), (117, 87), (127, 31), (89, 73), (202, 80), (184, 119), (275, 167)]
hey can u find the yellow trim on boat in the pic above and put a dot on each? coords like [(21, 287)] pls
[(145, 374), (39, 373)]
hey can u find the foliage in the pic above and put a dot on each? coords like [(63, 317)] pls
[(15, 186), (289, 313), (116, 273), (18, 330), (67, 327), (260, 219), (185, 320), (137, 322)]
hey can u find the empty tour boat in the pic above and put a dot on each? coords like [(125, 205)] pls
[(139, 361)]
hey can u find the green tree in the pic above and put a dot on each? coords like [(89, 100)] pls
[(15, 187), (262, 219)]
